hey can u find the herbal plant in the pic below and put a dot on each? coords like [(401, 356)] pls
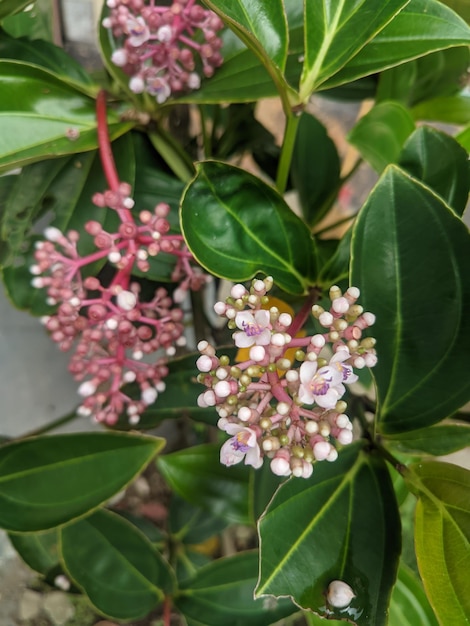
[(328, 365)]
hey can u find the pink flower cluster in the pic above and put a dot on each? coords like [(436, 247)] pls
[(111, 329), (162, 46), (284, 401)]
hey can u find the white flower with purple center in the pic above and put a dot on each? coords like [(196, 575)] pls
[(323, 386), (254, 329), (138, 30), (243, 445), (347, 372)]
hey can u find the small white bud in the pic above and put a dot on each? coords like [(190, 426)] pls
[(321, 450), (149, 395), (87, 389), (52, 233), (194, 81), (137, 84), (204, 363), (326, 319), (137, 355), (165, 33), (126, 300), (244, 414), (111, 323), (129, 377), (114, 256), (119, 57), (345, 437), (339, 594), (280, 467), (285, 319), (129, 203), (134, 419), (222, 389), (257, 353), (278, 340)]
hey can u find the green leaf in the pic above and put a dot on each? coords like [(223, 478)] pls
[(459, 6), (262, 26), (192, 524), (263, 484), (423, 26), (315, 174), (440, 162), (36, 22), (221, 594), (336, 267), (331, 35), (10, 7), (410, 259), (236, 226), (437, 440), (197, 475), (442, 537), (48, 56), (450, 109), (38, 111), (115, 565), (380, 134), (38, 550), (409, 605), (341, 524), (48, 481), (464, 138)]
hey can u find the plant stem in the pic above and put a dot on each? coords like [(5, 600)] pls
[(206, 140), (104, 144), (292, 122), (167, 611), (304, 312), (173, 154), (65, 419)]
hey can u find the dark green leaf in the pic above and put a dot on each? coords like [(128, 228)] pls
[(438, 440), (115, 565), (10, 7), (423, 26), (442, 537), (441, 163), (380, 134), (40, 116), (197, 475), (263, 484), (192, 524), (221, 594), (236, 226), (410, 259), (48, 481), (331, 35), (315, 174), (48, 56), (409, 605), (341, 524), (336, 267), (38, 550)]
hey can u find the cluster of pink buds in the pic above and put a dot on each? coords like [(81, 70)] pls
[(113, 331), (162, 47), (284, 400)]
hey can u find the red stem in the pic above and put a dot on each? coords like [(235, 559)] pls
[(106, 154), (167, 611), (304, 312)]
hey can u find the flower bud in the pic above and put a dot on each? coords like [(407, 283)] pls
[(339, 594)]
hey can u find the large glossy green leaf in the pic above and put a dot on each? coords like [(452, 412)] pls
[(221, 594), (197, 475), (459, 6), (236, 226), (315, 173), (115, 565), (442, 537), (423, 26), (380, 134), (341, 524), (451, 109), (262, 26), (48, 481), (410, 259), (331, 35), (40, 116), (10, 7), (441, 163), (409, 605), (38, 550), (437, 440), (48, 56), (336, 268)]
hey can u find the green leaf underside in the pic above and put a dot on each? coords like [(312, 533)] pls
[(236, 226), (331, 40), (115, 565), (409, 605), (37, 113), (351, 502), (411, 234), (439, 162), (221, 594), (442, 537), (437, 440), (49, 481), (421, 27), (380, 134), (197, 475)]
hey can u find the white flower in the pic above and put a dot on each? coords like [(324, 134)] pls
[(138, 30), (254, 329), (337, 361), (159, 88), (243, 445), (323, 386)]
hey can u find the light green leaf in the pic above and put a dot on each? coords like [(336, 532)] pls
[(440, 162), (459, 6), (48, 481), (10, 7), (437, 440), (221, 594), (380, 134), (115, 565), (341, 524), (450, 109), (423, 26), (422, 352), (197, 475), (38, 550), (236, 226), (36, 22), (409, 605), (442, 537), (331, 35)]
